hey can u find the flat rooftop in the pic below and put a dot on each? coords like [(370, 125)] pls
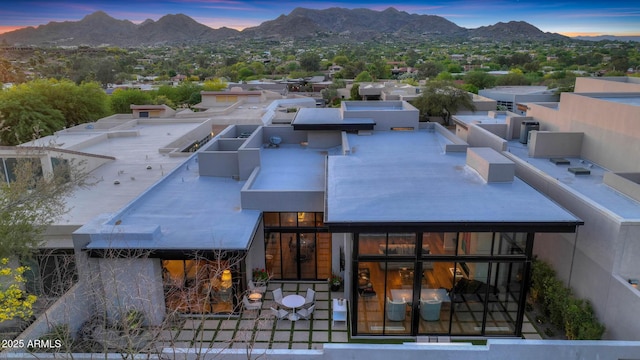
[(481, 119), (518, 90), (133, 154), (292, 167), (635, 101), (591, 186), (191, 212), (406, 177)]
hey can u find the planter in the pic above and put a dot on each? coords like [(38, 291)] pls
[(335, 287)]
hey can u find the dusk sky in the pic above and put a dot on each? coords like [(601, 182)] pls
[(566, 17)]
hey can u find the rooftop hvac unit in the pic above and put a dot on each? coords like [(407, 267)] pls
[(525, 128)]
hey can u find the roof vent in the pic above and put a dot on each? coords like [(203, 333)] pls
[(116, 182)]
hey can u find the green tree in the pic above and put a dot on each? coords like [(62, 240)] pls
[(216, 84), (363, 77), (78, 103), (479, 79), (512, 79), (310, 61), (33, 199), (340, 60), (354, 92), (122, 99), (442, 98), (25, 115)]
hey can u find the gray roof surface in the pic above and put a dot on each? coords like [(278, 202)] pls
[(481, 118), (407, 177), (184, 211), (291, 167), (132, 154), (591, 187), (327, 116)]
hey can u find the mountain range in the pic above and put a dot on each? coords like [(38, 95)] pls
[(336, 23)]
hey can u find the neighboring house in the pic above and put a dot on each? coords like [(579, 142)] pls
[(508, 97), (406, 214), (227, 98), (584, 156), (151, 111)]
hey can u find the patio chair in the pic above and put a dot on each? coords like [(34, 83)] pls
[(253, 288), (310, 298), (279, 313), (306, 313), (277, 296), (251, 305)]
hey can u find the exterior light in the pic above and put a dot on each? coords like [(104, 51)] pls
[(634, 282)]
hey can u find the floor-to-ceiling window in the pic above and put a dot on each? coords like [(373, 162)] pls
[(201, 286), (297, 245), (439, 283)]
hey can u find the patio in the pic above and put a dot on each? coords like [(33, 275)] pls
[(260, 330)]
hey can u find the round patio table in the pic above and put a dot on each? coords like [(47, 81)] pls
[(293, 301)]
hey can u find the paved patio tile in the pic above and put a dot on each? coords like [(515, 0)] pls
[(322, 305), (321, 325), (223, 335), (239, 345), (205, 335), (322, 287), (182, 345), (299, 336), (281, 336), (229, 324), (167, 335), (265, 324), (259, 346), (321, 315), (264, 335), (323, 296), (280, 345), (300, 346), (339, 337), (532, 336), (339, 326), (246, 324), (284, 325), (317, 346), (211, 324), (320, 336), (186, 335), (192, 324), (302, 325), (290, 288), (243, 335)]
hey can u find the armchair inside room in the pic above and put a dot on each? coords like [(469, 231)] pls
[(430, 309), (396, 310)]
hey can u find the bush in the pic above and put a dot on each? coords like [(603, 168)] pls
[(574, 316)]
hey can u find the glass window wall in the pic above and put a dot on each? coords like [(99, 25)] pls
[(439, 286)]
